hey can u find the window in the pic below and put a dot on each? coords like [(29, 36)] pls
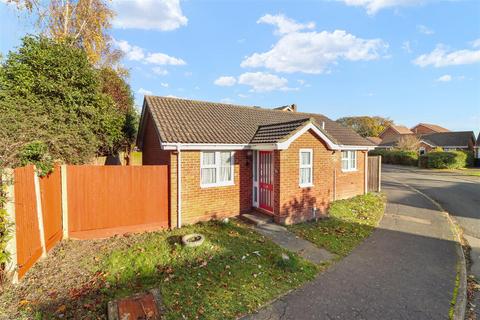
[(421, 151), (349, 160), (216, 168), (306, 168)]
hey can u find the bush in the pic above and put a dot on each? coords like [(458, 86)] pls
[(407, 158), (446, 160)]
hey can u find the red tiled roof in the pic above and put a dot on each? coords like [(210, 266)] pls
[(190, 121)]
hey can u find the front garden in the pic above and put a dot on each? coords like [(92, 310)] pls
[(350, 222), (234, 272)]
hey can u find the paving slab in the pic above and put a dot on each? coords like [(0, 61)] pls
[(286, 239)]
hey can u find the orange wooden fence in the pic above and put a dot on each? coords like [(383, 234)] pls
[(107, 200), (99, 202), (51, 196), (29, 248)]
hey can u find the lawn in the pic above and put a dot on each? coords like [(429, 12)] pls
[(350, 222), (234, 272)]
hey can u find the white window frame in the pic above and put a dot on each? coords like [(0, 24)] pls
[(349, 168), (422, 151), (303, 166), (217, 167)]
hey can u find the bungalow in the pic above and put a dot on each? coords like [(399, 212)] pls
[(226, 160), (448, 141)]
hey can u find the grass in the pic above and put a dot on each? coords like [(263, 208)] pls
[(350, 222), (234, 272)]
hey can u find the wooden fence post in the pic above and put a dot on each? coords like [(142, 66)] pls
[(38, 198), (64, 201), (12, 265), (379, 173)]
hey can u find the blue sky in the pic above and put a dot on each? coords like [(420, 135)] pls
[(409, 60)]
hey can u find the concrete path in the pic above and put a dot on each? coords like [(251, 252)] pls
[(405, 270), (284, 238), (458, 194)]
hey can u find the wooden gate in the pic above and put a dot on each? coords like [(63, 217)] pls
[(374, 173), (107, 200), (51, 196), (29, 247), (266, 180)]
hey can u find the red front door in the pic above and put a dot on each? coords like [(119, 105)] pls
[(266, 180)]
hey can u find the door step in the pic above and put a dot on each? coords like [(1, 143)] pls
[(257, 218)]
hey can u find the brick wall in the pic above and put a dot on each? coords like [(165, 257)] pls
[(200, 204), (152, 154), (294, 203)]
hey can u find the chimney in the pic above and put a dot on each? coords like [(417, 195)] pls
[(323, 125), (293, 108)]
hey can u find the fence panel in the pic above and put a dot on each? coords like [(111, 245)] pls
[(107, 200), (29, 248), (374, 173), (51, 193)]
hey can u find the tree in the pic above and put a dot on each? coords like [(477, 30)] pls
[(80, 22), (118, 89), (366, 126), (56, 93), (408, 142)]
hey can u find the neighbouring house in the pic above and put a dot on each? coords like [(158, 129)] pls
[(375, 140), (226, 160), (423, 128), (477, 151), (393, 131), (448, 141)]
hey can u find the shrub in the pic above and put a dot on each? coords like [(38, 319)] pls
[(445, 160), (402, 157), (5, 232)]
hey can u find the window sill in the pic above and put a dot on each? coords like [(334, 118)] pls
[(215, 185), (309, 185), (349, 170)]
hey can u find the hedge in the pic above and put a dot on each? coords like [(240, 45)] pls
[(446, 160), (408, 158)]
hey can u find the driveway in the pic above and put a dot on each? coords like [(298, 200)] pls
[(405, 270), (458, 194)]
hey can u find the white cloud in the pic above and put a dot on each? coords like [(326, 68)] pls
[(424, 30), (441, 57), (163, 15), (407, 47), (445, 78), (163, 59), (225, 81), (164, 84), (284, 24), (313, 52), (136, 53), (475, 43), (373, 6), (131, 52), (263, 82), (144, 92), (159, 71)]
